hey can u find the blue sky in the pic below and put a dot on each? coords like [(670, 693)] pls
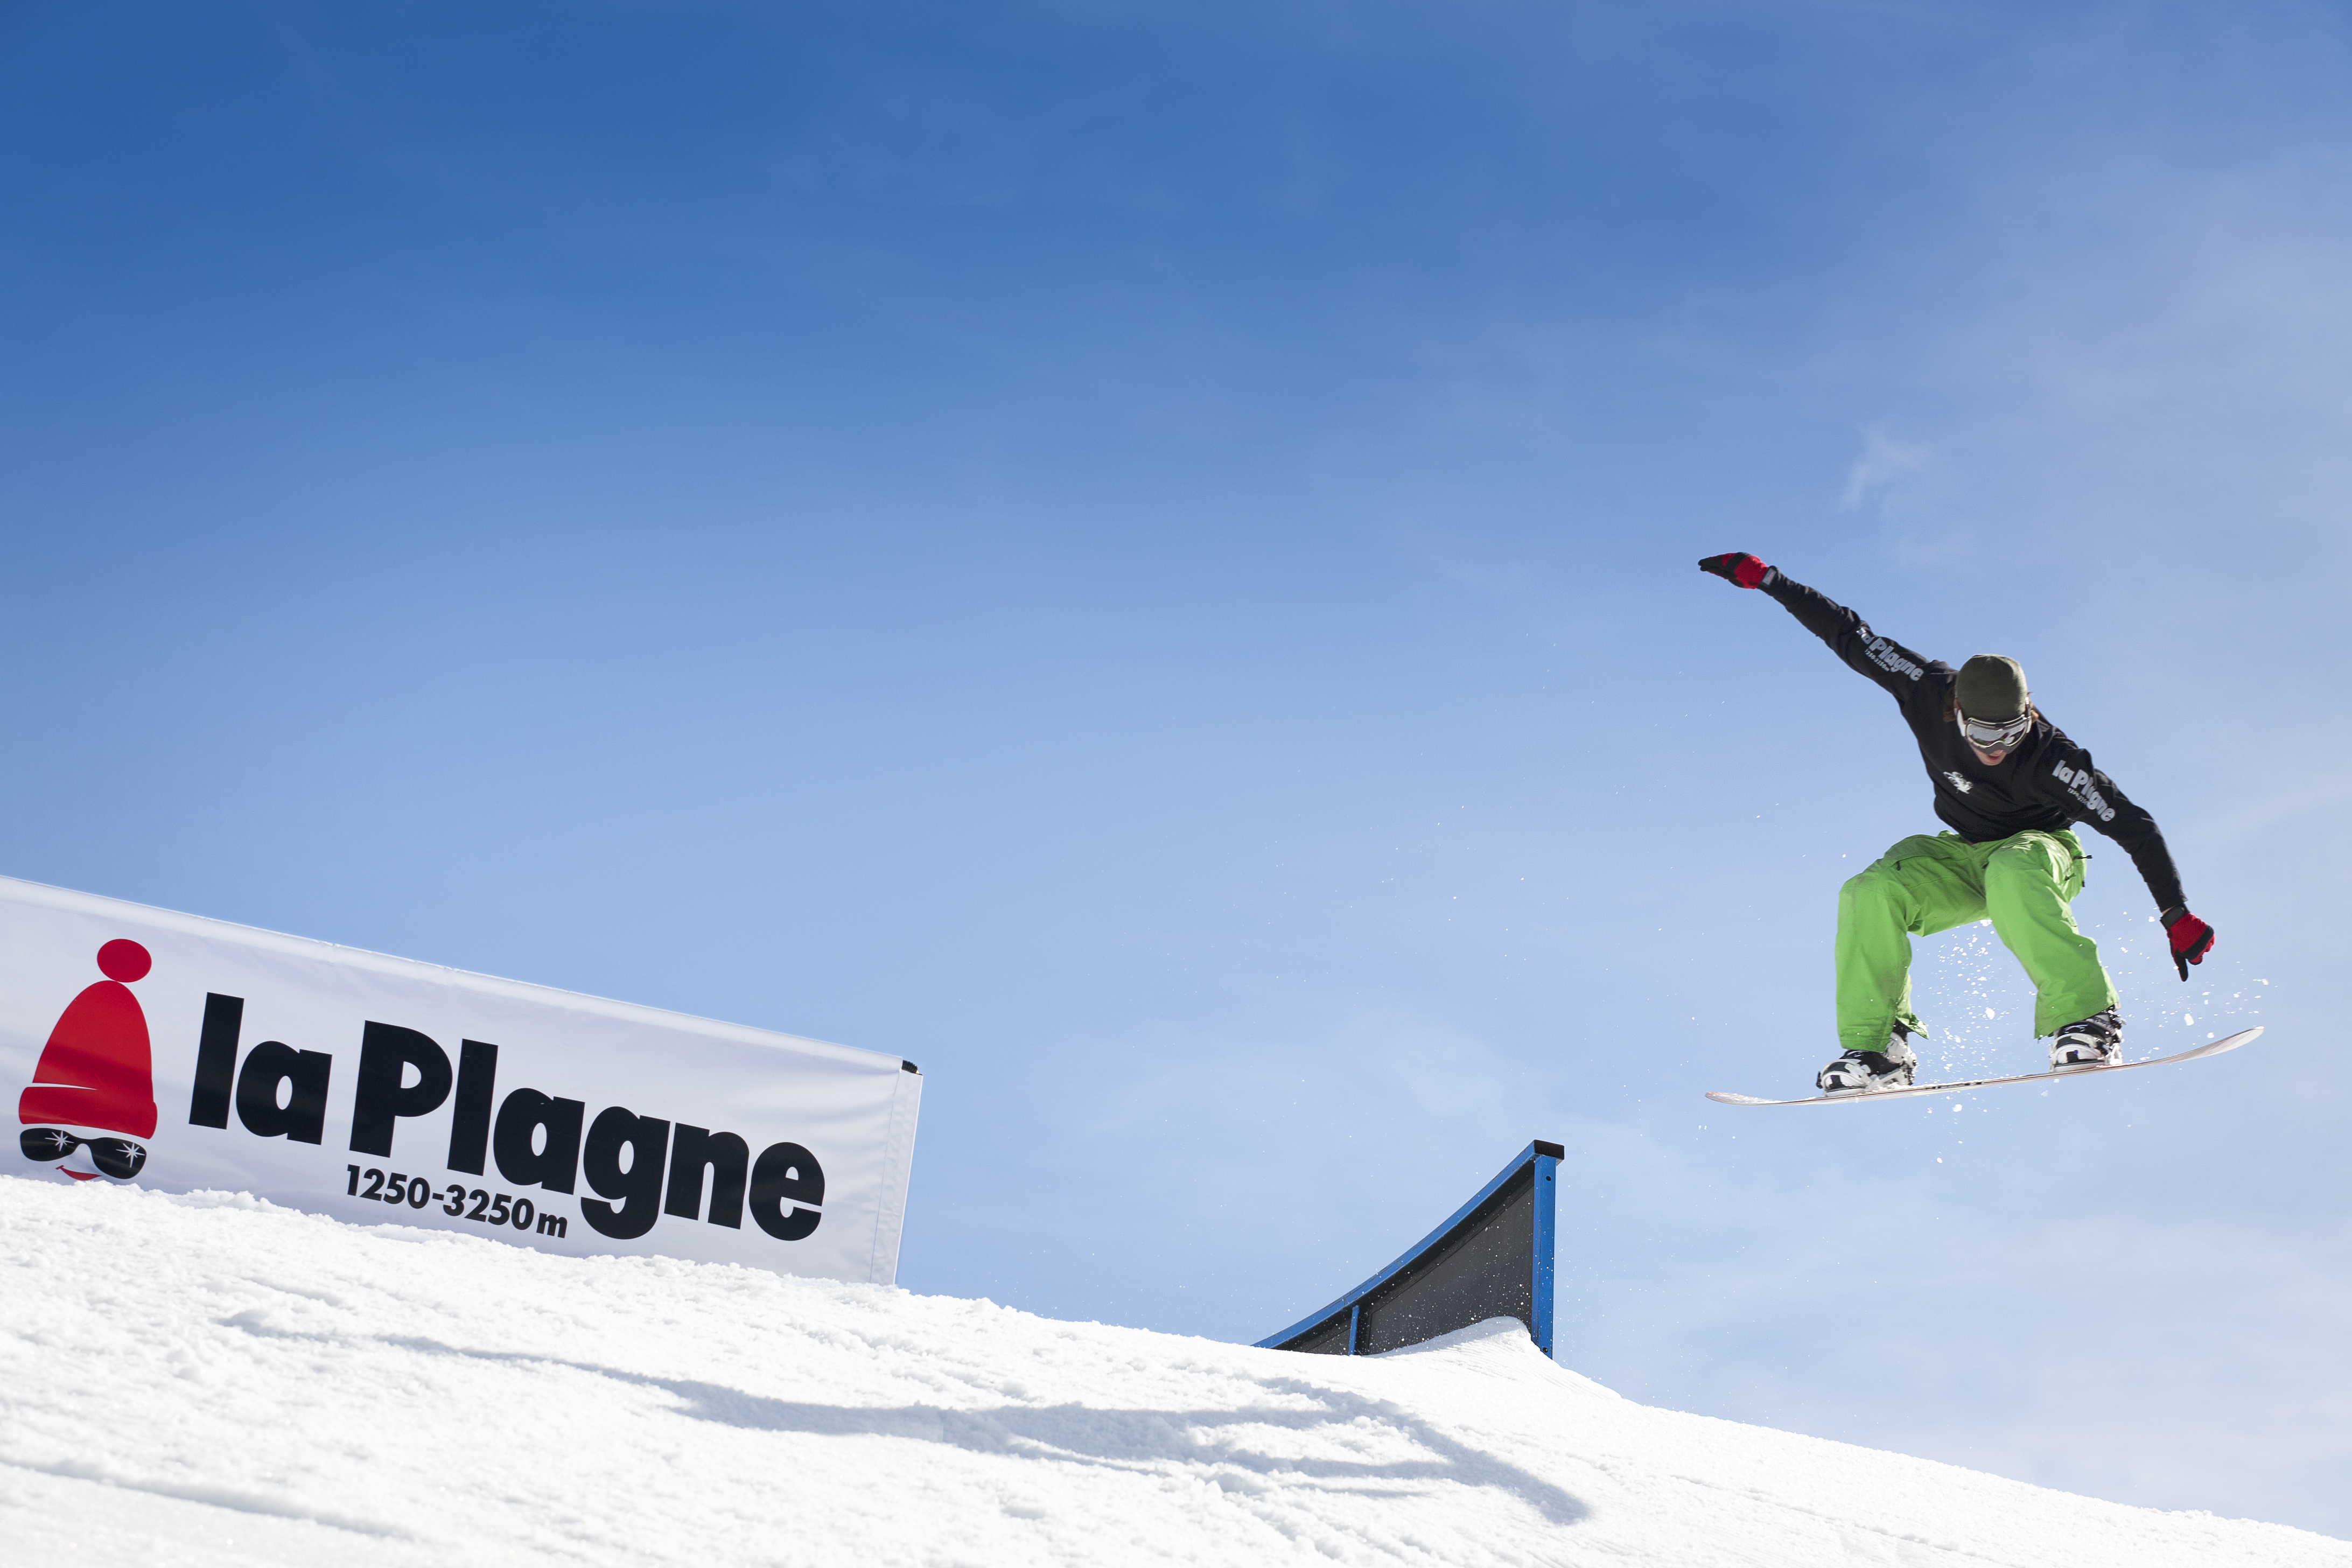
[(1141, 556)]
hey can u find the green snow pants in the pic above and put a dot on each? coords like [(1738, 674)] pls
[(1923, 885)]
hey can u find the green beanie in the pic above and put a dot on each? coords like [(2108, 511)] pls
[(1992, 687)]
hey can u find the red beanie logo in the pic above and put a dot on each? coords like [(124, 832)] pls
[(97, 1071)]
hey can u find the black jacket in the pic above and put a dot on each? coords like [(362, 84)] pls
[(2047, 781)]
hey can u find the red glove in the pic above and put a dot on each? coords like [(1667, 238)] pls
[(2192, 938), (1745, 571)]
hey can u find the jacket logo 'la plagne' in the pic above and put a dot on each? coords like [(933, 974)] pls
[(1884, 655), (2078, 784), (91, 1107), (1959, 782)]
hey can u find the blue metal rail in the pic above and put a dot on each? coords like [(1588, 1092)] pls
[(1545, 1158)]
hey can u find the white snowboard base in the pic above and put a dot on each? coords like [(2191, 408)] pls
[(2210, 1049)]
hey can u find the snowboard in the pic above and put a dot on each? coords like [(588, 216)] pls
[(2210, 1049)]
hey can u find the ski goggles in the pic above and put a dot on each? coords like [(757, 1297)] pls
[(117, 1157), (1986, 735)]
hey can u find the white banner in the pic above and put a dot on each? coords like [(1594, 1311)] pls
[(179, 1053)]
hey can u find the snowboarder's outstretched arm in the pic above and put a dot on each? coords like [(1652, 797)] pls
[(1881, 659)]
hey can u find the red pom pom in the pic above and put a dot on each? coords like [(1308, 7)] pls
[(124, 960)]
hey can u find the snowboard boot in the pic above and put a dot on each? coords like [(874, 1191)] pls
[(2096, 1042), (1859, 1072)]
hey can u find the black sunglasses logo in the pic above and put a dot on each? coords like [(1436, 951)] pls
[(118, 1157)]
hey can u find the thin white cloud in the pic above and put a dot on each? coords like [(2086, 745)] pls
[(1883, 461)]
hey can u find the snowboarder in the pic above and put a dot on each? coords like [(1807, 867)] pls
[(2008, 783)]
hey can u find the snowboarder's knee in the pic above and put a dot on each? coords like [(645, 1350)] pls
[(1872, 884), (2025, 859)]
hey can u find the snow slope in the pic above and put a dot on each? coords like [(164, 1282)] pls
[(209, 1380)]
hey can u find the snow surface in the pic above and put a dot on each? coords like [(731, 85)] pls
[(211, 1380)]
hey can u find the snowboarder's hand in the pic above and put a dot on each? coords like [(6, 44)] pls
[(1745, 571), (2192, 938)]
